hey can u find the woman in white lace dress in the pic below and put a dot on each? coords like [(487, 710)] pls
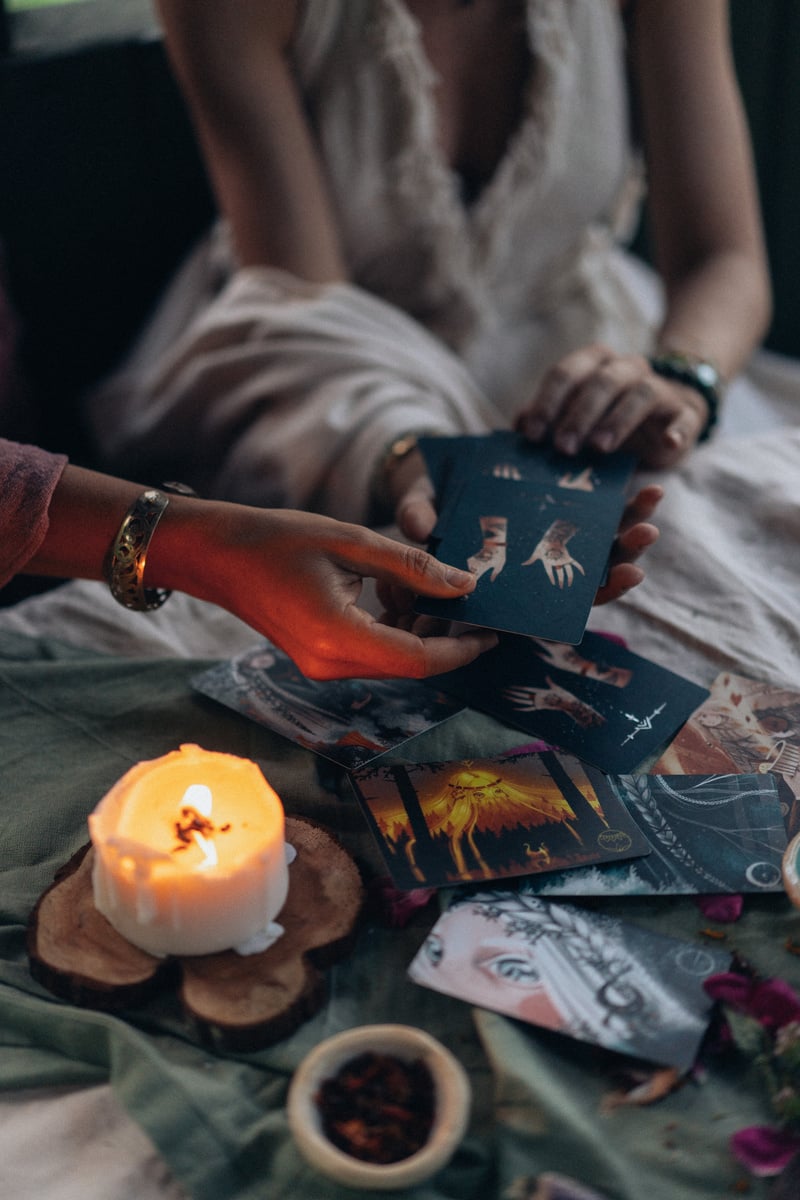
[(424, 204), (422, 201)]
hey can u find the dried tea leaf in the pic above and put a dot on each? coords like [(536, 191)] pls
[(647, 1090)]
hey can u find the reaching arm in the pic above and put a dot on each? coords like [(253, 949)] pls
[(295, 577)]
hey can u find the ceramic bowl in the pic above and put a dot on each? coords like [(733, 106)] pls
[(403, 1042)]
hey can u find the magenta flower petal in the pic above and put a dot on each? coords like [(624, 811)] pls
[(397, 907), (730, 988), (528, 748), (720, 908), (764, 1150), (774, 1003), (612, 637)]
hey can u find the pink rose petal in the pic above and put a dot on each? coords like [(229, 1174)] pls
[(763, 1149), (612, 637), (528, 748), (774, 1003), (720, 908), (731, 988), (397, 907)]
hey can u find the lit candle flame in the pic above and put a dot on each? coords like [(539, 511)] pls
[(208, 849), (198, 796)]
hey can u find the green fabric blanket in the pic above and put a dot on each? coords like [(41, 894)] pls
[(71, 724)]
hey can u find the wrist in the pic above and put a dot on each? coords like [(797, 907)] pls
[(187, 549), (700, 374), (160, 547)]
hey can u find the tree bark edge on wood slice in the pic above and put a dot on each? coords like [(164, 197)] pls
[(234, 1002)]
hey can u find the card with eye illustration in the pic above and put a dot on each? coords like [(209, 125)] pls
[(442, 823), (598, 700), (585, 974), (536, 531)]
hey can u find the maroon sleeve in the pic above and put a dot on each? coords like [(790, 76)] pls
[(28, 477)]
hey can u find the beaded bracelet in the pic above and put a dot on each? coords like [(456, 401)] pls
[(124, 564)]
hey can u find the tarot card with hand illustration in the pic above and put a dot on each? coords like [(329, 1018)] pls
[(453, 461), (443, 823), (448, 461), (503, 454), (598, 700), (536, 531)]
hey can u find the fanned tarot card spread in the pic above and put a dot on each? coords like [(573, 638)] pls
[(748, 726), (534, 526), (443, 823), (584, 974), (598, 700), (350, 721), (709, 834)]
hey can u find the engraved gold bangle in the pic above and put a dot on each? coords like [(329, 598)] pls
[(127, 555)]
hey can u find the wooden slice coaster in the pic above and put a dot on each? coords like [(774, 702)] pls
[(235, 1002)]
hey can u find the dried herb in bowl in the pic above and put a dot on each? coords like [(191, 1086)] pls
[(378, 1108)]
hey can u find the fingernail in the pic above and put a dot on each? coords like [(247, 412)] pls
[(457, 578), (567, 442)]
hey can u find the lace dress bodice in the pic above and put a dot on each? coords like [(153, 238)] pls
[(557, 198)]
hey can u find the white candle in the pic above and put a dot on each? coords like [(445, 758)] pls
[(189, 853)]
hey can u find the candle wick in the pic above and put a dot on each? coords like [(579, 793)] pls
[(190, 824)]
